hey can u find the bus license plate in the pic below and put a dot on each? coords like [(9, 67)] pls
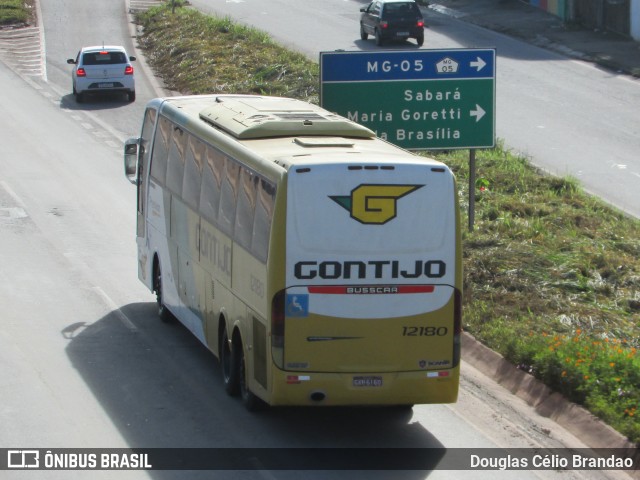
[(367, 381)]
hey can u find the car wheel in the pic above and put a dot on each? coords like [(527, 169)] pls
[(378, 38), (132, 96), (420, 40), (363, 34), (75, 94)]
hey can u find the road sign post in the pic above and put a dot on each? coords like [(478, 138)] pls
[(472, 188)]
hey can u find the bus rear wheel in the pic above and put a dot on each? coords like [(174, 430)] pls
[(163, 311), (229, 367)]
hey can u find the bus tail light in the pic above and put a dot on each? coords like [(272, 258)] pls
[(457, 326), (277, 328)]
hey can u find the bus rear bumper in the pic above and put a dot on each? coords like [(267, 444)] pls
[(336, 389)]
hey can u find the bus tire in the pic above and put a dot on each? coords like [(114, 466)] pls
[(229, 366), (163, 311), (251, 402)]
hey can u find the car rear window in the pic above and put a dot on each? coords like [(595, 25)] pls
[(401, 9), (104, 58)]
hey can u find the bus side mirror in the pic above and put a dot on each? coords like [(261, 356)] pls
[(131, 159)]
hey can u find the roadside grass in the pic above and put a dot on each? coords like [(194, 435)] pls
[(552, 282), (552, 275), (15, 12), (195, 53)]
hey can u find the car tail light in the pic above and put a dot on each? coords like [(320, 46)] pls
[(128, 70), (80, 72), (421, 23), (384, 24)]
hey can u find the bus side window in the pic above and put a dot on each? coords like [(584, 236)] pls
[(193, 172), (175, 162), (161, 150), (262, 220), (228, 196), (145, 149), (211, 184), (148, 127), (243, 230)]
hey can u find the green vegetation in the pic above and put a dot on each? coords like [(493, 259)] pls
[(552, 275), (15, 12), (552, 282), (194, 54)]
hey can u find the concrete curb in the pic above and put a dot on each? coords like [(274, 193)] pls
[(43, 43), (575, 419), (159, 90)]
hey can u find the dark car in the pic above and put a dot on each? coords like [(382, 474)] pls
[(392, 20)]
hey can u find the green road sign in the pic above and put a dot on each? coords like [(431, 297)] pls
[(420, 99)]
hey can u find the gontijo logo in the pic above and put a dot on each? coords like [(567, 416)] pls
[(374, 204)]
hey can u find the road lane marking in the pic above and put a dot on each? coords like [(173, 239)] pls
[(115, 309)]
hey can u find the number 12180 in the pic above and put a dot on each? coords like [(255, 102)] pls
[(424, 331)]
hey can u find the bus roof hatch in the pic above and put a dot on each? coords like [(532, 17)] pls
[(262, 117)]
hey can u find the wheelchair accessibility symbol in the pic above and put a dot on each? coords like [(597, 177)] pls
[(297, 305)]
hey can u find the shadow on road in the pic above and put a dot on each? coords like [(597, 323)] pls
[(162, 389), (95, 101)]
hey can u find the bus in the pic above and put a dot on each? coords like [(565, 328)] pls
[(319, 264)]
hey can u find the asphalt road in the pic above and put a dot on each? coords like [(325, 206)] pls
[(86, 363), (72, 24)]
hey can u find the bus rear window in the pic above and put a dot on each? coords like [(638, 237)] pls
[(408, 211)]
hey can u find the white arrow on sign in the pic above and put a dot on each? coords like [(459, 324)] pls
[(478, 113), (479, 64)]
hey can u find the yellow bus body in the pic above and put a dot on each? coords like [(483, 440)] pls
[(320, 264)]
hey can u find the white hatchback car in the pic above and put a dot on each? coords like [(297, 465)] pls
[(103, 69)]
